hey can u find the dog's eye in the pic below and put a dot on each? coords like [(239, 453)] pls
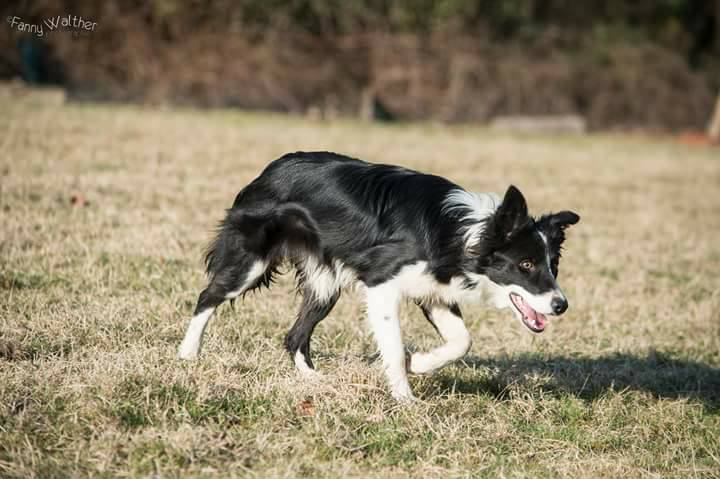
[(527, 265)]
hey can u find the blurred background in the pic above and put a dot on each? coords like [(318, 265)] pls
[(594, 64)]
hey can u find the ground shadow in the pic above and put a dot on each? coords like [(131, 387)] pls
[(587, 378)]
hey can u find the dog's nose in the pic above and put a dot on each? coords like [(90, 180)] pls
[(559, 305)]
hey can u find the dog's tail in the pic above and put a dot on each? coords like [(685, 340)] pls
[(267, 234)]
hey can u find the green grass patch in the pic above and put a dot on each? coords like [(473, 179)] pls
[(140, 402), (19, 280)]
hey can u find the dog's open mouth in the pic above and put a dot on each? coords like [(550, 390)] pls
[(532, 319)]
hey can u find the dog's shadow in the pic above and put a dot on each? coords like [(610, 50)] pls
[(586, 378)]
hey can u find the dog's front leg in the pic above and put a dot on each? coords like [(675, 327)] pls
[(448, 321), (383, 303)]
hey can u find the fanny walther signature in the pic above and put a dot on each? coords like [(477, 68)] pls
[(53, 23)]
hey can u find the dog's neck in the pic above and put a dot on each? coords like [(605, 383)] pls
[(471, 211)]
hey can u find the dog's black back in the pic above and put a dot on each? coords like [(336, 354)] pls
[(373, 218)]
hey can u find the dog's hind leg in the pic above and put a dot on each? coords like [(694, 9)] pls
[(297, 341), (227, 283), (448, 322), (244, 255)]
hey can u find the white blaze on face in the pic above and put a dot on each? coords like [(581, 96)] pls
[(547, 251), (556, 292)]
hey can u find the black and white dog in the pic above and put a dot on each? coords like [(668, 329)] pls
[(400, 234)]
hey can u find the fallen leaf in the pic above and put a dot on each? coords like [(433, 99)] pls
[(78, 200), (306, 408)]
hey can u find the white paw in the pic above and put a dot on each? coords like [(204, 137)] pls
[(310, 374), (187, 353), (402, 393), (304, 369), (404, 397), (421, 363)]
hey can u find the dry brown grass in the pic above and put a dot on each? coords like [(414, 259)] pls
[(95, 296)]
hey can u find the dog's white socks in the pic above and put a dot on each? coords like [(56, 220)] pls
[(190, 346)]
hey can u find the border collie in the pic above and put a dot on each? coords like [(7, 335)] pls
[(397, 232)]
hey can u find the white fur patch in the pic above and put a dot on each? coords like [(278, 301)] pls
[(302, 366), (416, 282), (257, 270), (473, 207), (190, 346), (325, 281)]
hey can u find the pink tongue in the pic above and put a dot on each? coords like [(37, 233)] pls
[(531, 314)]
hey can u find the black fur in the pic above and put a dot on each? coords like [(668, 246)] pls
[(310, 314), (553, 226)]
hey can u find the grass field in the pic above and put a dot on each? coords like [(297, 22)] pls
[(106, 212)]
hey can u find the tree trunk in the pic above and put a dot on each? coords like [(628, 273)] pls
[(714, 126)]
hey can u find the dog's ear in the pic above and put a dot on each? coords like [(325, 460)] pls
[(563, 219), (553, 226), (512, 214)]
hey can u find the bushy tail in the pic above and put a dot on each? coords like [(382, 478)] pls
[(269, 235)]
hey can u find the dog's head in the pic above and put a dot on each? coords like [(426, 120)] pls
[(519, 255)]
